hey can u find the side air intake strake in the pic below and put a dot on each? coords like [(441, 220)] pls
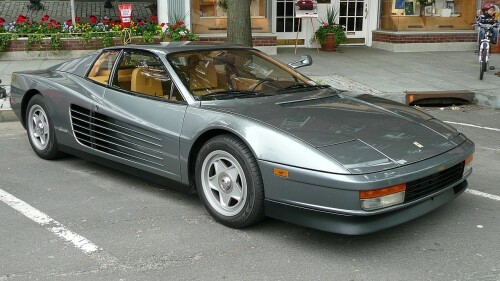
[(115, 137)]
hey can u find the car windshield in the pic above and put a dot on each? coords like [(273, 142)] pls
[(235, 73)]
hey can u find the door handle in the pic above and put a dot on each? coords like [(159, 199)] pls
[(366, 10)]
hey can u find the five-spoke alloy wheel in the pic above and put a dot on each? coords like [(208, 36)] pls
[(229, 181), (40, 129)]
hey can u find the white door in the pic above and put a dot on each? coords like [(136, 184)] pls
[(285, 25), (353, 15)]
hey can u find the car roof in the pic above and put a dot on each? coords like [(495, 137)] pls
[(174, 47)]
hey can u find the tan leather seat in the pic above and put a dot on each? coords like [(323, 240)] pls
[(202, 76), (146, 81)]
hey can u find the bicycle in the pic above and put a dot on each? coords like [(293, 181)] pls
[(485, 47), (3, 92)]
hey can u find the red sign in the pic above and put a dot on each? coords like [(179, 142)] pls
[(125, 14)]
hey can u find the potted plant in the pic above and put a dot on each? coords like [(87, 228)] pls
[(330, 33)]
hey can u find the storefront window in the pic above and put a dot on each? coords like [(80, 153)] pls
[(209, 16), (414, 15)]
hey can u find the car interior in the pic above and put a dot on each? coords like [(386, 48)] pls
[(137, 72)]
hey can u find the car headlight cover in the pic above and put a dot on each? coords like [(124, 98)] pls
[(381, 198), (467, 165)]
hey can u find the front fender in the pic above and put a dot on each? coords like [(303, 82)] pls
[(266, 143)]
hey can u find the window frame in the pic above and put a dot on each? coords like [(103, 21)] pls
[(129, 92), (106, 85)]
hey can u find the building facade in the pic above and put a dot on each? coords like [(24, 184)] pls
[(396, 25)]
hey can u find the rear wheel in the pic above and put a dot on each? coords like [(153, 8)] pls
[(40, 129), (229, 182)]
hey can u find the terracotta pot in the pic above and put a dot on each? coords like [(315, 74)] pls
[(329, 45), (184, 39)]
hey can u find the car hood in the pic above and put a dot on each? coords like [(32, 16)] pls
[(363, 133)]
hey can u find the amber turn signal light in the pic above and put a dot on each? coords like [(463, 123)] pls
[(367, 194)]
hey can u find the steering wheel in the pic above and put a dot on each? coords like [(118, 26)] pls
[(260, 82)]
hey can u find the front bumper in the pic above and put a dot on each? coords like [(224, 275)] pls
[(358, 225)]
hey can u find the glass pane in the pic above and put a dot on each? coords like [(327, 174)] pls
[(298, 25), (351, 9), (231, 74), (350, 24), (280, 25), (359, 9), (343, 9), (280, 9), (142, 73), (290, 7), (359, 23), (342, 21), (289, 24), (102, 67)]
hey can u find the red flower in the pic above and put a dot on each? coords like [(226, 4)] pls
[(51, 25), (174, 26), (21, 19), (105, 21), (180, 23), (53, 21), (45, 18), (77, 19), (58, 26), (69, 22), (2, 20), (93, 19), (154, 18), (41, 22), (162, 24), (140, 23), (111, 23)]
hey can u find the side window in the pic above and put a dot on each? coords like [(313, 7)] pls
[(101, 69), (145, 74)]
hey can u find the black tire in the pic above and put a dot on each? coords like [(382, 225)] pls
[(237, 197), (483, 63), (41, 133)]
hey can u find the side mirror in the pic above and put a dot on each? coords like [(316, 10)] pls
[(304, 61)]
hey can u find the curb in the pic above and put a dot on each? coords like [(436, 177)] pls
[(7, 116)]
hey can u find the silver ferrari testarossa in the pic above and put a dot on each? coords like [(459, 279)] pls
[(251, 135)]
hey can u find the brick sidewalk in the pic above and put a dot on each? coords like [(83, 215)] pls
[(60, 10)]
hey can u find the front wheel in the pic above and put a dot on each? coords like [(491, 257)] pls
[(482, 64), (40, 129), (229, 182)]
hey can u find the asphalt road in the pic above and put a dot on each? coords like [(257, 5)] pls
[(148, 232)]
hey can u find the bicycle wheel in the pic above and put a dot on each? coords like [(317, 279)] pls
[(482, 64)]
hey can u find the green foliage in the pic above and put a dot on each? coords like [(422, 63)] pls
[(4, 42), (222, 4), (178, 32), (103, 28), (34, 38), (107, 39), (55, 41), (330, 25)]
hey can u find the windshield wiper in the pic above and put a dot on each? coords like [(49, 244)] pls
[(232, 94), (299, 86)]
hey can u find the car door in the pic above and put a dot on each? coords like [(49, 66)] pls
[(140, 119)]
